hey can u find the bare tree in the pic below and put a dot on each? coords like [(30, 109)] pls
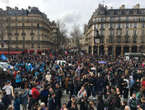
[(76, 35), (61, 38)]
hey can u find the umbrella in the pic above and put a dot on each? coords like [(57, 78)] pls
[(102, 62), (3, 57)]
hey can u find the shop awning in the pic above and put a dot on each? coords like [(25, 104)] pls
[(11, 52)]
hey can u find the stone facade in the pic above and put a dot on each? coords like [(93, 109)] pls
[(25, 29), (120, 31)]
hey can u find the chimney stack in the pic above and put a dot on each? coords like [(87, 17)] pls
[(137, 6), (122, 6)]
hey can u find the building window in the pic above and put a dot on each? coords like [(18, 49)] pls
[(119, 33), (127, 12), (111, 25), (142, 19), (32, 45), (119, 12), (111, 39), (102, 26), (127, 19), (127, 32), (142, 38), (115, 13), (131, 12), (102, 20), (23, 34), (135, 25), (135, 11), (37, 25), (2, 44), (127, 25), (111, 19), (102, 39), (118, 39), (134, 37), (143, 25), (134, 33), (119, 26), (123, 12), (118, 19), (126, 39), (111, 33), (130, 25), (101, 32)]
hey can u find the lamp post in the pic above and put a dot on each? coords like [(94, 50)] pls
[(38, 26), (23, 36), (97, 42), (9, 33)]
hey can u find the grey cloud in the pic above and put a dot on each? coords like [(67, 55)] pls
[(71, 17)]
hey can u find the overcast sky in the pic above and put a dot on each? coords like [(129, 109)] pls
[(70, 12)]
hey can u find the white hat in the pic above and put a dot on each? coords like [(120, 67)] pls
[(42, 104)]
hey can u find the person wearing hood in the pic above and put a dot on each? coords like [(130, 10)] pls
[(131, 84)]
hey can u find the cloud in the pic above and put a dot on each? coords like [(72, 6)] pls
[(5, 1), (72, 17)]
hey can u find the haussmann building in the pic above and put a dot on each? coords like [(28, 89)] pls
[(115, 31), (22, 30)]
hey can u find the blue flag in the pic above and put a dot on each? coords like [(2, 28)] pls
[(3, 57)]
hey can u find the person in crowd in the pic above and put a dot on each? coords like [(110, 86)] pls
[(10, 107), (24, 98), (18, 80), (44, 94), (101, 105), (2, 105), (133, 102), (42, 106), (125, 88), (51, 102), (17, 102), (84, 103), (127, 108), (58, 96), (82, 92), (9, 92), (132, 82), (34, 96), (72, 103), (64, 107), (92, 106), (114, 100)]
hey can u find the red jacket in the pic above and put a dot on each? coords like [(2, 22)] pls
[(35, 93)]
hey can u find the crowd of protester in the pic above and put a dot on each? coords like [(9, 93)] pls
[(39, 82)]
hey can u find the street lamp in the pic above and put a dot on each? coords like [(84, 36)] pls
[(97, 42), (9, 33), (38, 26)]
